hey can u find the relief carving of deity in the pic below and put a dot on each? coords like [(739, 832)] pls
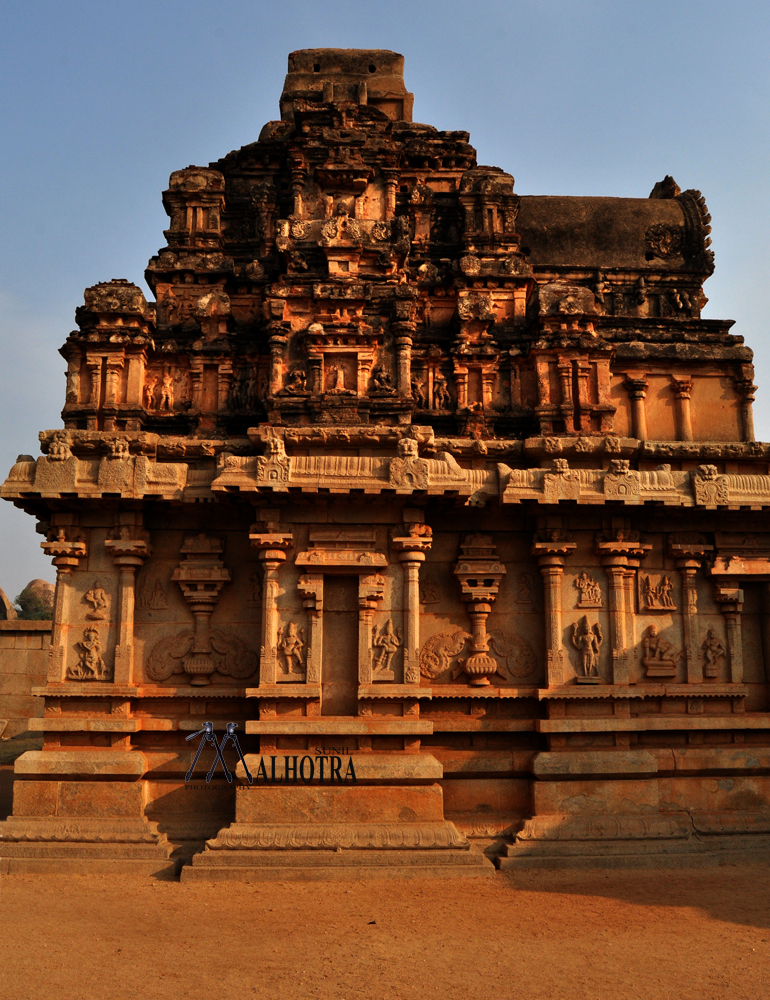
[(90, 665), (386, 642), (290, 648)]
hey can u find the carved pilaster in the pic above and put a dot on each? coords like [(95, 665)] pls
[(65, 555), (731, 604), (201, 576), (371, 590), (683, 388), (224, 378), (688, 558), (585, 406), (278, 342), (567, 405), (114, 369), (403, 336), (615, 554), (128, 555), (746, 389), (479, 571), (311, 590), (637, 390), (411, 550), (272, 547), (551, 551)]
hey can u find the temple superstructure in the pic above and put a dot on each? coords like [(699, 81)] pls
[(454, 482)]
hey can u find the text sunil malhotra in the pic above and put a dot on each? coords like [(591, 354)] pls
[(324, 768)]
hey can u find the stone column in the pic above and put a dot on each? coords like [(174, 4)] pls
[(615, 554), (278, 341), (128, 555), (391, 183), (403, 336), (567, 405), (688, 561), (411, 552), (551, 553), (461, 385), (746, 389), (224, 378), (114, 366), (637, 391), (731, 601), (65, 556), (584, 395), (94, 366), (311, 589), (683, 389), (479, 571), (765, 626), (196, 383), (272, 546)]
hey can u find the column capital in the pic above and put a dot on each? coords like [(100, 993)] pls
[(271, 545), (553, 550), (64, 553)]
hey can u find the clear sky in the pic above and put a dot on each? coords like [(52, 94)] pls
[(102, 100)]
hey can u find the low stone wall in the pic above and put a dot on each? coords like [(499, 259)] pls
[(24, 649)]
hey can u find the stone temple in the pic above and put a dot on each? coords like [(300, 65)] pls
[(446, 489)]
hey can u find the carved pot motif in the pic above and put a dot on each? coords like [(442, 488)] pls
[(479, 668)]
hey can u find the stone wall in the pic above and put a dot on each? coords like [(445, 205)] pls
[(24, 649)]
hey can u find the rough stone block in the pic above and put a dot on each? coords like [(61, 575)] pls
[(621, 796)]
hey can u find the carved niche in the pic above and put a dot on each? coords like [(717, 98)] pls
[(91, 665), (656, 593), (658, 656), (587, 640), (201, 651), (510, 657)]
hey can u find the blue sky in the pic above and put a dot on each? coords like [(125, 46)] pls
[(101, 101)]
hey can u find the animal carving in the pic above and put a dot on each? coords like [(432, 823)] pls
[(438, 652)]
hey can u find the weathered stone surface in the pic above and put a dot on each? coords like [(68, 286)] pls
[(407, 471)]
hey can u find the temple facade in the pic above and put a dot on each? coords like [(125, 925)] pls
[(446, 496)]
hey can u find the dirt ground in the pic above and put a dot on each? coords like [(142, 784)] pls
[(679, 935)]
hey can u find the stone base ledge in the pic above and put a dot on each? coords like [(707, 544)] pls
[(55, 865), (82, 763), (337, 864), (423, 836), (77, 830)]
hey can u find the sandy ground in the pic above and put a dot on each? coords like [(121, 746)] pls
[(679, 935)]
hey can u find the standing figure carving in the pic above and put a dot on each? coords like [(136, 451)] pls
[(587, 640), (713, 652), (291, 643), (91, 665), (167, 392), (441, 398), (386, 642)]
